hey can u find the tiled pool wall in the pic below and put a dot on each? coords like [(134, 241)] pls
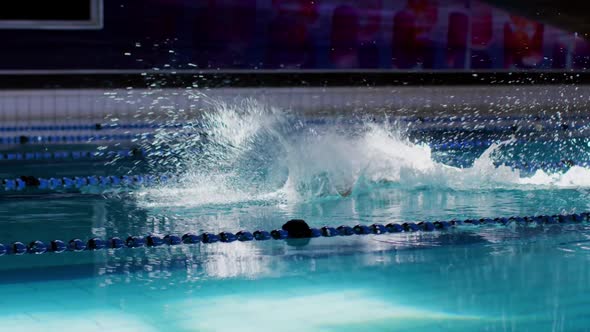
[(87, 106)]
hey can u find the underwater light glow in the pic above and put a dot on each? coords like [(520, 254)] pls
[(87, 321), (280, 311)]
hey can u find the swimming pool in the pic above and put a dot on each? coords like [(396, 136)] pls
[(247, 166)]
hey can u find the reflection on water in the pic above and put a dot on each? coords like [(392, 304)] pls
[(49, 217), (259, 169), (487, 277)]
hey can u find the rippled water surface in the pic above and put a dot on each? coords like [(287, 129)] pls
[(247, 166)]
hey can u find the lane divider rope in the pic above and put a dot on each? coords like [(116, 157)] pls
[(565, 123), (113, 181), (73, 155), (69, 139), (141, 153), (77, 138), (77, 245), (476, 143), (85, 127)]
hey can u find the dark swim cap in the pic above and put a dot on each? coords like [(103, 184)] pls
[(297, 228)]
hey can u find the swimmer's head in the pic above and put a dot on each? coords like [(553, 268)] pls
[(297, 229)]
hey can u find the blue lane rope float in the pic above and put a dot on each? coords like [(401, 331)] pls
[(142, 153), (69, 139), (117, 181), (564, 124), (546, 121), (71, 155), (139, 152), (86, 127), (135, 152), (152, 240), (472, 143), (78, 139), (531, 166), (528, 117), (65, 183)]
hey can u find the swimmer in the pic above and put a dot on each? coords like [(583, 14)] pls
[(297, 228), (299, 232)]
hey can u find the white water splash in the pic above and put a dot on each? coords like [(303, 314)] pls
[(256, 153), (575, 177)]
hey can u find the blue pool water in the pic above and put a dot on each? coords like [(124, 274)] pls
[(248, 167)]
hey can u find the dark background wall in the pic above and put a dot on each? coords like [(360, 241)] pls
[(399, 35)]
